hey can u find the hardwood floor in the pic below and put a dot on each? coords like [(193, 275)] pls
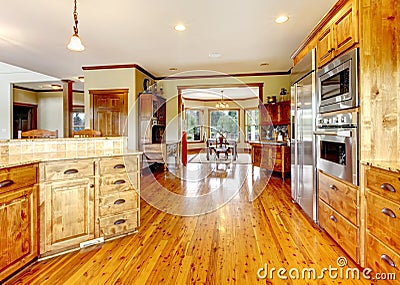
[(242, 231)]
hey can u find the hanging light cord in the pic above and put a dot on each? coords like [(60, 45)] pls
[(76, 20)]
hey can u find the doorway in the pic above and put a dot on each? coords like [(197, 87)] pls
[(24, 118)]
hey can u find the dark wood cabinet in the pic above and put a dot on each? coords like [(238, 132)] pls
[(275, 114), (152, 118)]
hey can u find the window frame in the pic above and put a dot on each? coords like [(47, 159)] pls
[(201, 123), (228, 109), (246, 123)]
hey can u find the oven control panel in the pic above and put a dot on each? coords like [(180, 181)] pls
[(340, 120)]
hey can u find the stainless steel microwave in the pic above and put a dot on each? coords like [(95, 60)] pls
[(338, 84)]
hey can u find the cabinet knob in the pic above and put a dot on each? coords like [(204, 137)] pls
[(388, 212), (388, 260), (71, 171), (119, 181), (333, 187), (333, 218), (119, 166), (388, 187), (119, 201), (120, 221), (6, 183)]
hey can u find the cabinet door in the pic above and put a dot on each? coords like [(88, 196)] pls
[(69, 214), (346, 29), (18, 239), (325, 46), (146, 107), (284, 113)]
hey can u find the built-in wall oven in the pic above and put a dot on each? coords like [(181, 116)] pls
[(337, 145), (337, 84)]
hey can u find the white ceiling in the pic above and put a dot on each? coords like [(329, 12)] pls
[(34, 34)]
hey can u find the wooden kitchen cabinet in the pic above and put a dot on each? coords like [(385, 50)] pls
[(119, 202), (383, 212), (339, 35), (18, 218), (271, 157), (275, 113), (338, 212), (67, 204)]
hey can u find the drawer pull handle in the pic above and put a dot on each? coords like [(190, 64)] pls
[(119, 166), (388, 212), (120, 221), (333, 187), (6, 183), (388, 187), (91, 185), (119, 201), (119, 181), (71, 171), (388, 260), (333, 218)]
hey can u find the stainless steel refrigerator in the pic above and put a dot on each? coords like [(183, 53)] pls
[(302, 142)]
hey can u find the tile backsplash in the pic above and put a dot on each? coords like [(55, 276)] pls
[(70, 146)]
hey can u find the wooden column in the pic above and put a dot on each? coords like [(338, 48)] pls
[(67, 107)]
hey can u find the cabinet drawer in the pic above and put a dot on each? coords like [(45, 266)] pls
[(118, 224), (385, 183), (117, 183), (340, 196), (340, 229), (384, 220), (118, 203), (17, 177), (119, 164), (381, 258), (67, 169)]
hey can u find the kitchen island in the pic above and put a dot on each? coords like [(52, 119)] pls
[(271, 155), (70, 193)]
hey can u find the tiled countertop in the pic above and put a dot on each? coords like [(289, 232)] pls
[(18, 152)]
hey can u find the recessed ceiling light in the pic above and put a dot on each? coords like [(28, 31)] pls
[(263, 64), (173, 69), (214, 54), (281, 19), (180, 28)]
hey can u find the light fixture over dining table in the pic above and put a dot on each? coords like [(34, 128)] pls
[(75, 43), (221, 104)]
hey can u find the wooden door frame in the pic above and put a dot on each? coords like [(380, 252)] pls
[(94, 92)]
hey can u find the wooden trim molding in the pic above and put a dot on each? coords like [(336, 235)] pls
[(119, 66), (225, 75)]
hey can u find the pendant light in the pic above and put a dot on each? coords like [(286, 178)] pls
[(75, 43), (221, 104)]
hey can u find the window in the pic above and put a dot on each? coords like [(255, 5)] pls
[(78, 118), (251, 125), (224, 122), (194, 125)]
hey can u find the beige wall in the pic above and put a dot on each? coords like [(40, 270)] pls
[(50, 111), (272, 87), (122, 78), (25, 96)]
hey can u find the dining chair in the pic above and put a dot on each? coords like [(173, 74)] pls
[(36, 134), (86, 133)]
